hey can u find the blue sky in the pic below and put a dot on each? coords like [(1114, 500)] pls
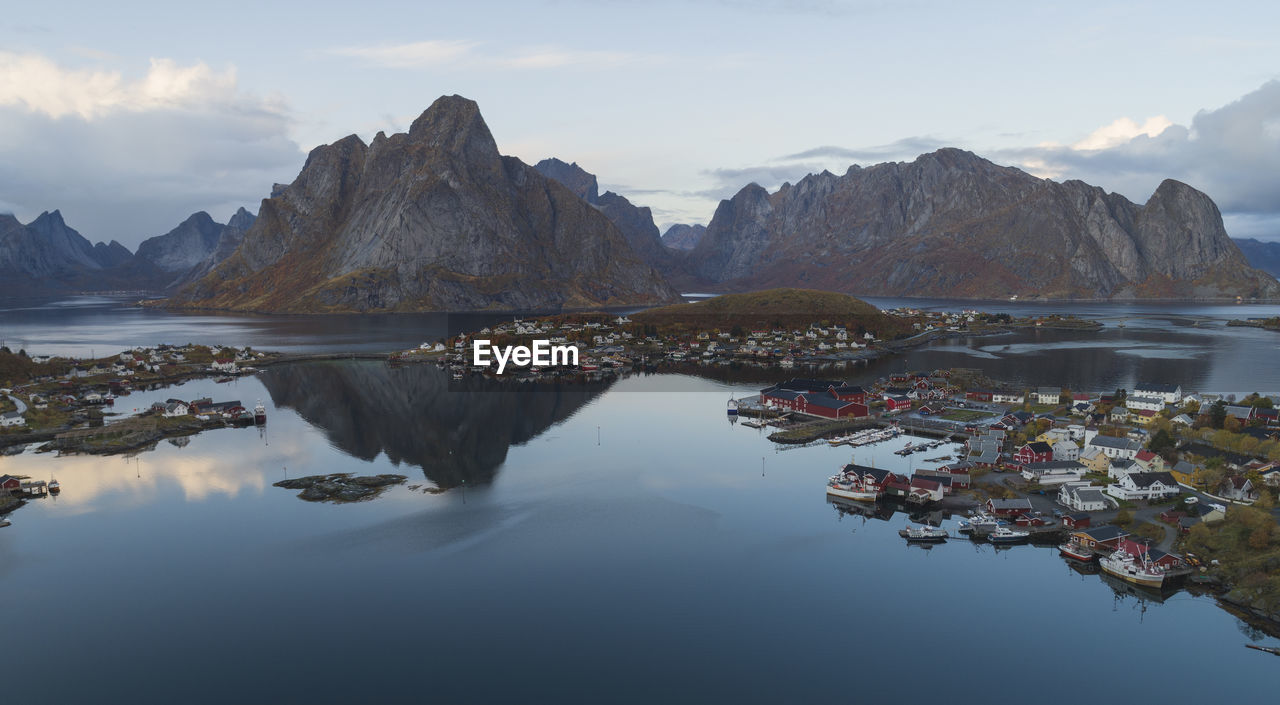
[(129, 117)]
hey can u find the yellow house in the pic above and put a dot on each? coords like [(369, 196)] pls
[(1183, 472), (1095, 460), (1149, 461), (1142, 417)]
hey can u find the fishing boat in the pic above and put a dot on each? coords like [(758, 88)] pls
[(923, 534), (1004, 534), (980, 521), (850, 487), (259, 413), (733, 408), (1073, 549), (4, 522), (1133, 569), (54, 487)]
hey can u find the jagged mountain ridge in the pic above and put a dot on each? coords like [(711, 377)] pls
[(953, 224), (1262, 255), (431, 219), (47, 256)]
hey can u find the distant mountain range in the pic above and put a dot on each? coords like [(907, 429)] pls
[(1261, 255), (48, 257), (437, 219)]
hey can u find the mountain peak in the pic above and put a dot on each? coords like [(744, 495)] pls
[(582, 182), (454, 125)]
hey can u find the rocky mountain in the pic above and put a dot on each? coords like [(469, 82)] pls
[(47, 256), (184, 247), (635, 222), (432, 219), (230, 237), (683, 237), (1262, 255), (953, 224)]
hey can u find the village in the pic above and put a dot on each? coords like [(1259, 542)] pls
[(610, 344), (1123, 477)]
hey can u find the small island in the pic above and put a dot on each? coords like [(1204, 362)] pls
[(341, 487)]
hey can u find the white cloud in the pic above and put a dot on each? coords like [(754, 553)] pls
[(411, 55), (127, 159), (439, 53), (1122, 130), (34, 82)]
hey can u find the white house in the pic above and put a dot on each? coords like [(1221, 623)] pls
[(1007, 398), (1081, 497), (1170, 393), (176, 408), (1047, 395), (12, 418), (1119, 467), (1145, 485), (1144, 403), (1066, 450), (1114, 447), (1054, 472)]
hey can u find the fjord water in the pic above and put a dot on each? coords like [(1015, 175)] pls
[(611, 543)]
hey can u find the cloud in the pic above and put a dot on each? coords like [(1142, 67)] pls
[(906, 148), (464, 54), (1232, 153), (127, 159), (411, 55)]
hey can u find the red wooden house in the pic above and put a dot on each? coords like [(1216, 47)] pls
[(9, 483), (1151, 553), (896, 403), (1034, 452), (979, 395), (1079, 520), (1008, 507)]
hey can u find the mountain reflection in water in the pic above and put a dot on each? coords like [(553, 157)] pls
[(457, 431)]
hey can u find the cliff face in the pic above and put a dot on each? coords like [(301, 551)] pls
[(953, 224), (683, 237), (182, 248), (435, 219)]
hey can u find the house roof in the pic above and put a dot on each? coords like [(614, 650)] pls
[(1145, 456), (825, 400), (1157, 388), (1146, 479), (1114, 442), (1039, 447)]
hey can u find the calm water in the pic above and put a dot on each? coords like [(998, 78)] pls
[(616, 543)]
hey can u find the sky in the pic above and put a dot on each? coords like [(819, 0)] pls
[(130, 116)]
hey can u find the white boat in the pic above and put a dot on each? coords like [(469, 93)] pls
[(259, 413), (1004, 534), (1133, 569), (4, 522), (733, 408), (980, 521), (923, 534), (847, 487)]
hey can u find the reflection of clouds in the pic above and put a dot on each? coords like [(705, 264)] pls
[(216, 464)]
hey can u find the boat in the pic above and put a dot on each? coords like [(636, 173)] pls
[(1073, 549), (850, 487), (1004, 534), (54, 487), (1133, 569), (923, 534), (259, 413), (733, 408), (4, 522), (980, 521)]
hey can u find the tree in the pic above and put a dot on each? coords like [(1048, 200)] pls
[(1123, 518), (1231, 424), (1218, 414), (1260, 538), (1163, 442)]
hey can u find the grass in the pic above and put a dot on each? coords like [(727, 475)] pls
[(963, 415)]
